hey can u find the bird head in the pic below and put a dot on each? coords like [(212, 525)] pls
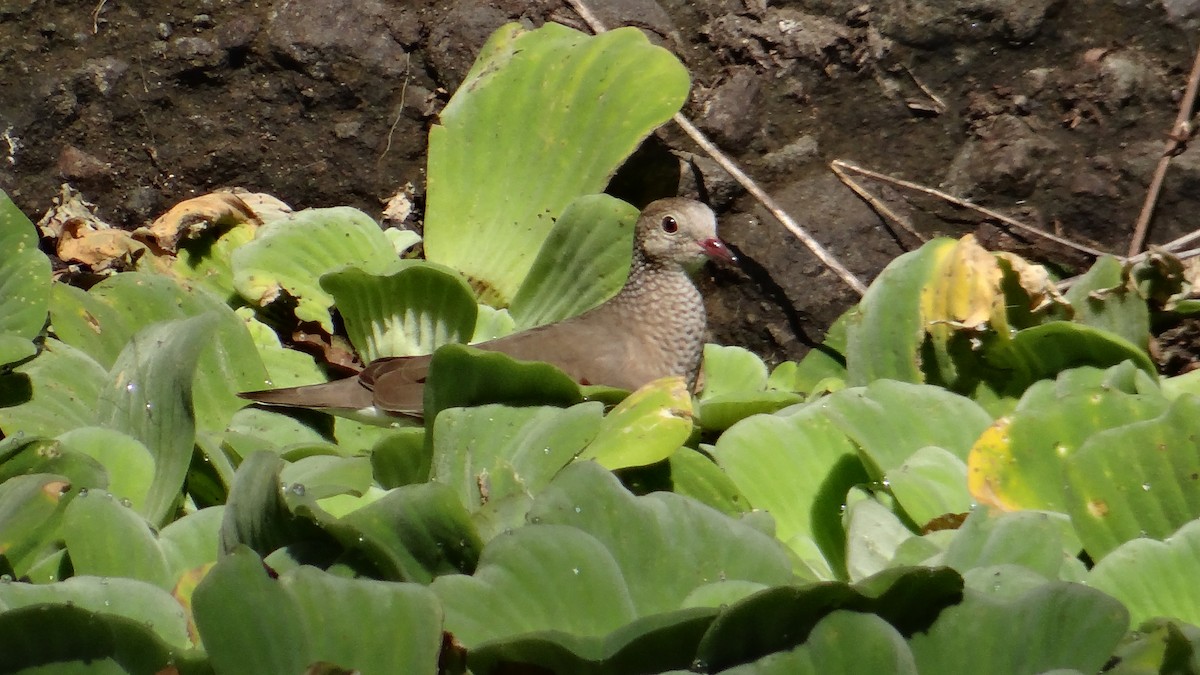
[(680, 231)]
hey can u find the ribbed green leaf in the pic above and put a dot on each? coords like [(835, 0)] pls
[(543, 117)]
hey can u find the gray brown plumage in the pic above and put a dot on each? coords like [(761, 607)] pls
[(653, 327)]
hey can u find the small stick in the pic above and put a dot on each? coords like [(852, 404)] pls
[(740, 176), (399, 111), (995, 215), (1169, 246), (939, 106), (96, 16), (1176, 142), (769, 203), (875, 202)]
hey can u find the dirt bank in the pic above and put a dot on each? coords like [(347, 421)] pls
[(1056, 109)]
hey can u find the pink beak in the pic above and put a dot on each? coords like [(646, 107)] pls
[(717, 250)]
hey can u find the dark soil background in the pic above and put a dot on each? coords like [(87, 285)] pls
[(1055, 111)]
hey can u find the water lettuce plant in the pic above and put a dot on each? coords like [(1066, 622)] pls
[(976, 473)]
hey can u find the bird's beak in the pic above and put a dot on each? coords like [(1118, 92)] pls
[(717, 250)]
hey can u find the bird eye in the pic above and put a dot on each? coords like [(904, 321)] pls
[(670, 225)]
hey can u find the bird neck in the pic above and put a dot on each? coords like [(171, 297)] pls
[(650, 277), (670, 310)]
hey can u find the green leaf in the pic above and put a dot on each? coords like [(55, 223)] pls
[(104, 320), (289, 256), (1018, 462), (1105, 298), (50, 457), (892, 420), (842, 642), (285, 367), (521, 580), (1154, 578), (414, 533), (401, 458), (1042, 352), (1159, 646), (63, 639), (1035, 541), (697, 476), (731, 370), (650, 644), (583, 262), (494, 452), (563, 109), (462, 376), (328, 475), (129, 463), (83, 618), (875, 537), (257, 514), (784, 617), (798, 468), (52, 394), (638, 532), (251, 623), (24, 280), (31, 509), (885, 332), (735, 387), (107, 539), (413, 311), (931, 483), (14, 348), (1055, 626), (1140, 479), (149, 398), (645, 428)]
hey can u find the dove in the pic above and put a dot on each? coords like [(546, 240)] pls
[(652, 328)]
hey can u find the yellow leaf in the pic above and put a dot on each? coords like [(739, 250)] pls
[(965, 289), (1035, 281), (989, 468)]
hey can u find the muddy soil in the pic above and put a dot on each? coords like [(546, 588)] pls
[(1052, 110)]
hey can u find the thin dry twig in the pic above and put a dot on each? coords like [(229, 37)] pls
[(995, 215), (939, 106), (876, 203), (769, 203), (740, 176), (96, 16), (1177, 141), (1170, 246), (399, 111)]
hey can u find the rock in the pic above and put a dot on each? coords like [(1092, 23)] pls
[(316, 35), (933, 23), (347, 130), (1183, 13), (143, 203), (237, 33), (780, 36), (838, 218), (1124, 76), (76, 165), (1006, 158), (790, 156), (196, 54), (645, 14), (455, 39), (104, 73), (719, 187), (725, 114)]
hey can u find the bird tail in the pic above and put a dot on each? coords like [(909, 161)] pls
[(346, 394)]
